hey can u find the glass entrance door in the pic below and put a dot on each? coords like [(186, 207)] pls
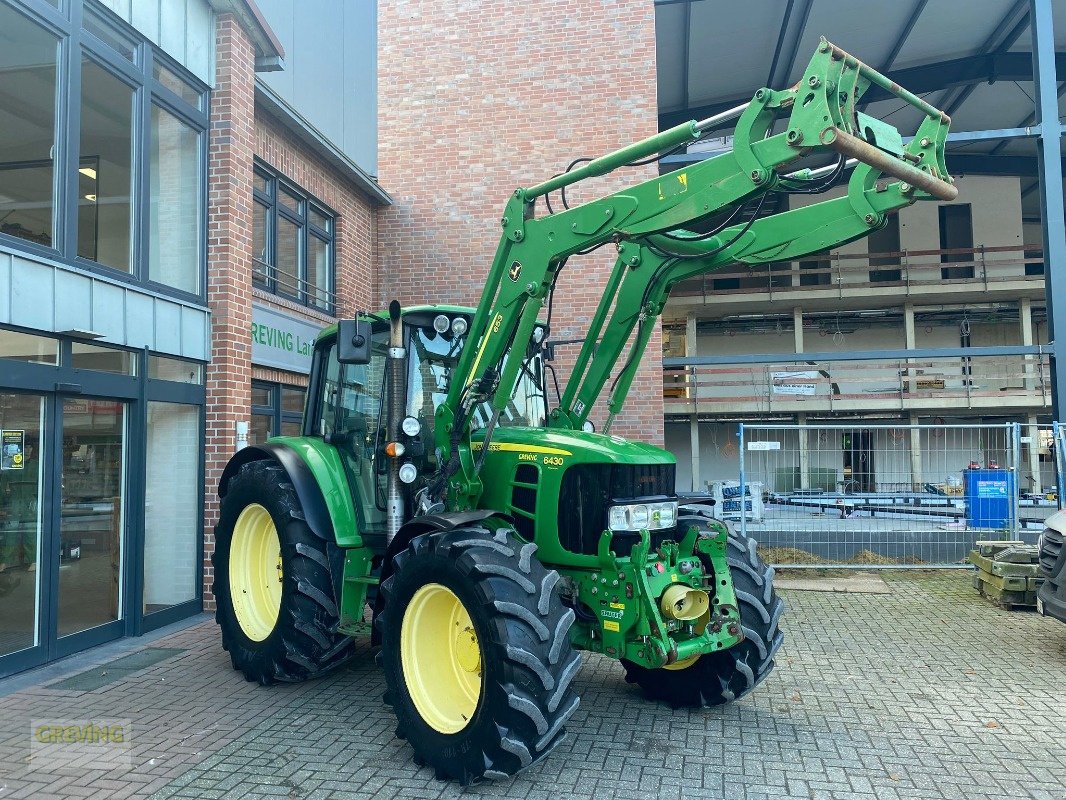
[(91, 518), (21, 423)]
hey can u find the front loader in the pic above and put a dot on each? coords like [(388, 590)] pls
[(442, 501)]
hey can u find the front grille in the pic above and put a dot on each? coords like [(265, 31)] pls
[(1051, 551), (588, 489)]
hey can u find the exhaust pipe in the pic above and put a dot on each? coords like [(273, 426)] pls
[(397, 393)]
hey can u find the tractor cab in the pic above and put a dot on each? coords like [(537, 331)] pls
[(348, 404)]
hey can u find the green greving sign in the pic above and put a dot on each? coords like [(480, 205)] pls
[(282, 341)]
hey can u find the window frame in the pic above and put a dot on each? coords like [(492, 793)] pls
[(76, 43), (278, 415), (265, 271)]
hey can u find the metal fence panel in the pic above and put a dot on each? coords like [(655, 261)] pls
[(855, 495)]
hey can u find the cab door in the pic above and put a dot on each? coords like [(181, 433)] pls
[(349, 413)]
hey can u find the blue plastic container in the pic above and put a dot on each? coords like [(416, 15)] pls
[(989, 494)]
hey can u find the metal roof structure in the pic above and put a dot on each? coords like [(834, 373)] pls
[(971, 58), (997, 67)]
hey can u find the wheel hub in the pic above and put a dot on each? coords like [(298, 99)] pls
[(441, 658), (256, 574)]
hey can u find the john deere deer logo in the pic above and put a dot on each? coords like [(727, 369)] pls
[(515, 271)]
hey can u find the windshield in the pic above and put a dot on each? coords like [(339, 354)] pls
[(433, 356)]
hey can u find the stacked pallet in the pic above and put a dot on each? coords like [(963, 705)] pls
[(1008, 573)]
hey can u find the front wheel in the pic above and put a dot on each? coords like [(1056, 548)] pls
[(717, 678), (476, 652)]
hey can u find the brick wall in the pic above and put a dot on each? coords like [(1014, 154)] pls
[(478, 98), (239, 131), (229, 265)]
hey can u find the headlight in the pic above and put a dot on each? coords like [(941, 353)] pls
[(638, 516), (411, 426), (459, 326), (441, 323), (408, 472)]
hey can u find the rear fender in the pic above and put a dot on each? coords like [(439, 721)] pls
[(313, 503)]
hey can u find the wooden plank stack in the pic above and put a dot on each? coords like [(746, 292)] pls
[(1007, 572)]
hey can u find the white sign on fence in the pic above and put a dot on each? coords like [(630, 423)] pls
[(785, 383), (764, 445)]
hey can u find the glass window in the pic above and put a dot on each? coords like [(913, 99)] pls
[(293, 243), (318, 219), (287, 266), (262, 394), (22, 420), (260, 240), (259, 429), (288, 200), (276, 409), (92, 491), (170, 80), (25, 347), (27, 127), (105, 210), (175, 369), (102, 359), (292, 400), (171, 505), (174, 203), (95, 25), (319, 262)]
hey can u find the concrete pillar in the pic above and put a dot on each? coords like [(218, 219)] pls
[(804, 452), (1025, 320), (917, 479), (797, 328), (909, 340), (1032, 430), (693, 422)]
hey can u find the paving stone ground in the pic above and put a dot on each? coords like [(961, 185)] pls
[(926, 692)]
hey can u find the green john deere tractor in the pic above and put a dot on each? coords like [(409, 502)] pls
[(440, 490)]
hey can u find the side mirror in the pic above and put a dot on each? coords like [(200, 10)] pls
[(353, 341)]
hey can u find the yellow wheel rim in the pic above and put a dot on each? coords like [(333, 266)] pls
[(441, 658), (255, 573)]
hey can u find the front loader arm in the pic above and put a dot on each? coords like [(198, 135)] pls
[(821, 116), (644, 290)]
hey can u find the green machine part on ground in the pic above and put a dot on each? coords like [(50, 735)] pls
[(441, 501)]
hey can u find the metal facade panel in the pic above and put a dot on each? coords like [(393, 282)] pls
[(167, 327), (5, 287), (73, 300), (172, 31), (140, 322), (145, 18), (200, 40), (109, 312), (323, 37), (194, 333), (32, 284)]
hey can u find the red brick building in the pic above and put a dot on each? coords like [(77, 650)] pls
[(476, 99)]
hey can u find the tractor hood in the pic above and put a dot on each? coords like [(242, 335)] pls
[(572, 447)]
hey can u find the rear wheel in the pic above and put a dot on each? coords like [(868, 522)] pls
[(476, 653), (275, 582), (718, 678)]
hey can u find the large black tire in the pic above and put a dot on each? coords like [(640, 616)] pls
[(304, 642), (527, 664), (722, 677)]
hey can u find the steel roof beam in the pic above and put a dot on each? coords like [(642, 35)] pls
[(965, 71)]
